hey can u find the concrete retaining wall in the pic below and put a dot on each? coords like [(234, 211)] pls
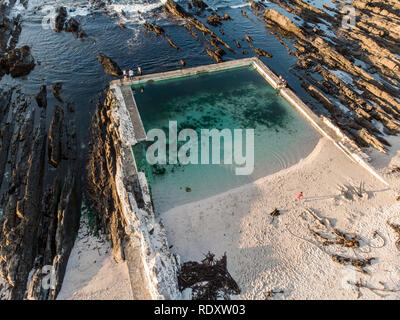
[(159, 264)]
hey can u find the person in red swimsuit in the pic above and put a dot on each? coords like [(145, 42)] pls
[(300, 196)]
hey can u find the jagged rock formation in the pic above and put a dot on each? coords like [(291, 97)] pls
[(39, 208), (19, 62), (368, 98), (124, 209), (61, 17), (159, 31), (110, 66), (213, 41), (216, 20), (102, 166), (199, 4), (71, 25), (41, 97), (14, 61)]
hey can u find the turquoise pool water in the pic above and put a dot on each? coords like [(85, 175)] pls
[(232, 99)]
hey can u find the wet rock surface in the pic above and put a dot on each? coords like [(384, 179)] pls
[(333, 55), (39, 207), (351, 75), (61, 17), (18, 62), (110, 66)]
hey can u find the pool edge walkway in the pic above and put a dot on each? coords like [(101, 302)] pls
[(158, 266), (321, 123)]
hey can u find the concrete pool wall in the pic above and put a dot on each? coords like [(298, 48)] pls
[(159, 266)]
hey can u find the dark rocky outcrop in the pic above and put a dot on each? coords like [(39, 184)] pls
[(159, 31), (39, 207), (19, 62), (110, 66), (74, 27), (199, 4), (370, 40), (216, 20), (261, 52), (61, 17), (104, 151), (40, 210), (56, 89), (192, 24), (41, 97), (55, 137)]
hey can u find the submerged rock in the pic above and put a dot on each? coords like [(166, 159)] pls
[(199, 4), (261, 52), (41, 97), (216, 20), (56, 89)]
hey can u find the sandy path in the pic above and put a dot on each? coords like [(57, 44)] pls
[(263, 255), (92, 273)]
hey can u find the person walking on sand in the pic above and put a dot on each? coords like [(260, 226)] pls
[(300, 196), (124, 74)]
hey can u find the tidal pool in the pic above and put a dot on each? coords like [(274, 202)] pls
[(233, 99)]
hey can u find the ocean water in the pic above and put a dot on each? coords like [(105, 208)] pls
[(60, 57), (233, 99)]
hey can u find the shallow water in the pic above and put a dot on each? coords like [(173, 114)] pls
[(234, 99), (62, 58)]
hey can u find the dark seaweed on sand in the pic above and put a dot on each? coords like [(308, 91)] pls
[(209, 280)]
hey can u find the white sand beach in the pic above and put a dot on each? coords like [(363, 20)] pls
[(265, 255), (277, 255), (92, 273)]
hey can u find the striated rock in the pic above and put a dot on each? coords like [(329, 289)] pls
[(261, 52), (41, 97), (110, 67), (171, 43), (55, 137), (39, 207), (249, 39), (283, 22), (176, 10), (215, 55), (255, 5), (154, 28)]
